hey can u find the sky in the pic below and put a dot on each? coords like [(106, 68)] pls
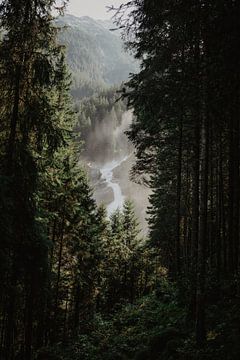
[(93, 8)]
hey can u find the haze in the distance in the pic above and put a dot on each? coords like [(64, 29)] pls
[(96, 9)]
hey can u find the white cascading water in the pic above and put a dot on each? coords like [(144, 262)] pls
[(106, 167), (107, 175)]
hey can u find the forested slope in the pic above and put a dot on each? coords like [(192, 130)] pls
[(95, 54)]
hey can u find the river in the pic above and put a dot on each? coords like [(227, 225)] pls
[(111, 186), (107, 176)]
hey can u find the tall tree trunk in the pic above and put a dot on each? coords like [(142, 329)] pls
[(29, 316), (14, 121), (201, 271), (179, 192), (9, 347)]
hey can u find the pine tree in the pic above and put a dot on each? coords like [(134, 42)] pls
[(131, 241), (35, 120), (187, 137)]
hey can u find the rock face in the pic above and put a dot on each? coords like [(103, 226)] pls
[(103, 194)]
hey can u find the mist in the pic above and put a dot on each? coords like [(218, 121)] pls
[(107, 140), (109, 157)]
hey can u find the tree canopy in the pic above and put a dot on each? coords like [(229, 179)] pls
[(74, 282)]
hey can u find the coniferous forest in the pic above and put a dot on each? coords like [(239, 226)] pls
[(75, 283)]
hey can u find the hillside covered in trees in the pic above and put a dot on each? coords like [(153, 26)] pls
[(75, 283), (94, 54)]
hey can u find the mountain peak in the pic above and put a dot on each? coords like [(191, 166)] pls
[(73, 21), (95, 54)]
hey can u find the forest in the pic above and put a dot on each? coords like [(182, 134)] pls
[(76, 284)]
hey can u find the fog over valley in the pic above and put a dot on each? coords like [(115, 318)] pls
[(99, 64)]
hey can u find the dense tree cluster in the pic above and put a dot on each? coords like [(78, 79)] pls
[(98, 118), (60, 257), (75, 284), (55, 242), (35, 120), (186, 134), (94, 54)]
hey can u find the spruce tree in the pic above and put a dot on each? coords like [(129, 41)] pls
[(186, 135), (35, 120)]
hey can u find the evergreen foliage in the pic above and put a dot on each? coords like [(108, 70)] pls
[(75, 284), (98, 117), (186, 135)]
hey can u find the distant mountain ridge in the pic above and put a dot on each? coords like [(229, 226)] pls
[(95, 55)]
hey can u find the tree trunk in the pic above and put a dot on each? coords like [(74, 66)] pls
[(179, 192), (201, 271), (14, 121)]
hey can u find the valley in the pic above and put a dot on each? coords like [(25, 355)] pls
[(99, 66)]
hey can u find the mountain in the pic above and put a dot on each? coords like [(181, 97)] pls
[(95, 54), (99, 65)]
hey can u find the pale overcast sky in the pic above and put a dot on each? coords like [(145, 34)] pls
[(93, 8)]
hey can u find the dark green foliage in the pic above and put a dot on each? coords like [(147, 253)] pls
[(33, 110), (132, 332), (47, 355), (153, 329), (187, 142), (76, 284), (56, 267)]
